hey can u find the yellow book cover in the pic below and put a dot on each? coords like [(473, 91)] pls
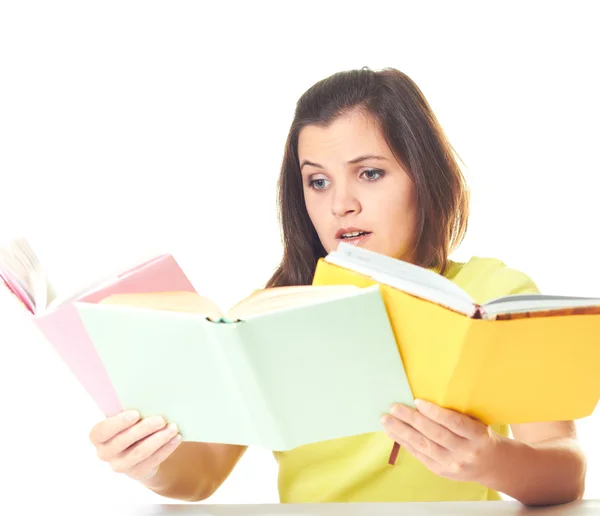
[(517, 359)]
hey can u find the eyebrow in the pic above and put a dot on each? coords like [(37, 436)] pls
[(351, 162)]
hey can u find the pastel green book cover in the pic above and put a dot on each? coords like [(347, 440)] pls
[(276, 380)]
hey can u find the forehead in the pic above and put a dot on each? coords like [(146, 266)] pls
[(348, 136)]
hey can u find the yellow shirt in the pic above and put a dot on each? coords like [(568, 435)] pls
[(356, 469)]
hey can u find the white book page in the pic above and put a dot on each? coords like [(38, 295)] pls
[(405, 276), (520, 303), (17, 286), (19, 262)]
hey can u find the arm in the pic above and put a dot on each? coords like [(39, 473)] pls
[(194, 471), (542, 465)]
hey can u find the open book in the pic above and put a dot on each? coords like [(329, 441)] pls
[(516, 359), (285, 367), (57, 319)]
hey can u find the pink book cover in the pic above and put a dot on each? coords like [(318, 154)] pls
[(66, 333)]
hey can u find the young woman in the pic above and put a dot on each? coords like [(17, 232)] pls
[(366, 162)]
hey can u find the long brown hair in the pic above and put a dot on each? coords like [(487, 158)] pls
[(418, 142)]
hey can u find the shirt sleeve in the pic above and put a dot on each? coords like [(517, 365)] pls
[(507, 281)]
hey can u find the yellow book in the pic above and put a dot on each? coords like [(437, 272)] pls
[(515, 359)]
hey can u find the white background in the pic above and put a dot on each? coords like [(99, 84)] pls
[(133, 127)]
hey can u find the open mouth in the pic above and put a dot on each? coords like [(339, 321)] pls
[(353, 234)]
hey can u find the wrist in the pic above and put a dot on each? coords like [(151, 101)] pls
[(152, 480), (499, 462)]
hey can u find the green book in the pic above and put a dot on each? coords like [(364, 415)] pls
[(287, 367)]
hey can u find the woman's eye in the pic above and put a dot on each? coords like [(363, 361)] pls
[(372, 174), (318, 184)]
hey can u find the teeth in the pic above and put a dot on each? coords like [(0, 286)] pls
[(353, 234)]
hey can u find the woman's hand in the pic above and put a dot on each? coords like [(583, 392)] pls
[(132, 446), (448, 443)]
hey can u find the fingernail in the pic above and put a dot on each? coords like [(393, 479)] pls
[(175, 439), (419, 403), (171, 428), (384, 419), (132, 415)]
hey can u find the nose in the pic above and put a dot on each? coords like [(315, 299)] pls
[(344, 201)]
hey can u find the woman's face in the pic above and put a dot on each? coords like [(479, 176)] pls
[(355, 190)]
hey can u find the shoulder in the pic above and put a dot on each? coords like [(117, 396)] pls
[(486, 278)]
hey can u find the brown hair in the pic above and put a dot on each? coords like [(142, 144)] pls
[(418, 142)]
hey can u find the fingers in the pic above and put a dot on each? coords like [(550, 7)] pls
[(412, 439), (146, 454), (132, 446), (426, 426), (111, 426), (459, 424), (132, 435), (427, 461)]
